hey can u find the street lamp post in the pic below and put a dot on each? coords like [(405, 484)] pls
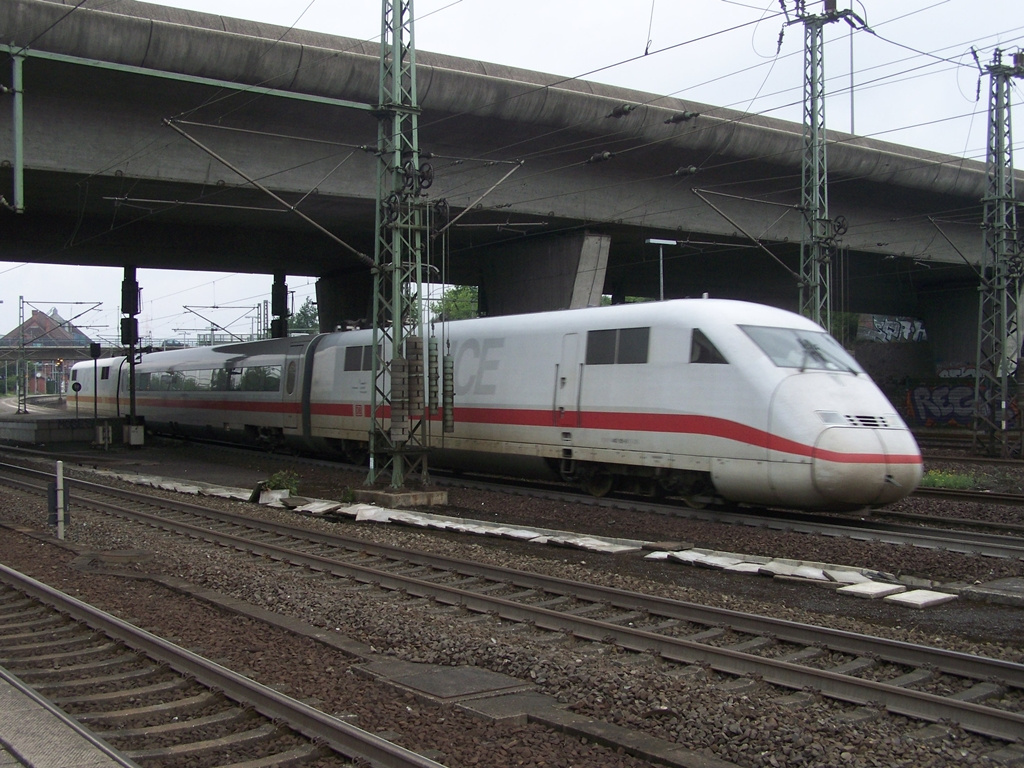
[(661, 262)]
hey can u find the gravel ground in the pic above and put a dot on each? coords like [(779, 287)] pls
[(750, 728), (978, 627)]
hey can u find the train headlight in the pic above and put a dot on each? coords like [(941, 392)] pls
[(831, 417)]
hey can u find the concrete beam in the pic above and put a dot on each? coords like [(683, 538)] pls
[(545, 273)]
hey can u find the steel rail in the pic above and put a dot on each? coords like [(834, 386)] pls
[(961, 494), (341, 736), (895, 651), (974, 717)]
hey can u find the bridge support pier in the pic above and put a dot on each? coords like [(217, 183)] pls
[(538, 275), (343, 299)]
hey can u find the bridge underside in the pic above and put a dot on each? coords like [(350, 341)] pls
[(160, 225), (107, 182)]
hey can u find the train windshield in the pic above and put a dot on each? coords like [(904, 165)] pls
[(806, 350)]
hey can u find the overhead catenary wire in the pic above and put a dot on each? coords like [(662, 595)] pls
[(629, 150)]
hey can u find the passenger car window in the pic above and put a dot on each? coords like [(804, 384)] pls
[(622, 346)]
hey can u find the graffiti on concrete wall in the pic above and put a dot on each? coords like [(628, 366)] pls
[(945, 405), (956, 371), (888, 329), (941, 405)]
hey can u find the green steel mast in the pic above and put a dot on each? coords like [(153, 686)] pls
[(397, 441), (998, 354), (818, 241)]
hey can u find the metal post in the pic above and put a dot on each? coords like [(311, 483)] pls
[(60, 500), (661, 273), (22, 374), (661, 262), (19, 134)]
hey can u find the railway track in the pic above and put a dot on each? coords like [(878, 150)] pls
[(155, 702), (981, 497), (953, 535), (973, 537), (985, 696)]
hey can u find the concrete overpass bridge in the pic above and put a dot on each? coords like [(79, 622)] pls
[(143, 132)]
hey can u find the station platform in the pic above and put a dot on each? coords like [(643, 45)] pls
[(35, 734)]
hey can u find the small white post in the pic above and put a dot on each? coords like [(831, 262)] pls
[(60, 500)]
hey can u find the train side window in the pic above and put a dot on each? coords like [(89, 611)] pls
[(142, 385), (290, 376), (632, 348), (219, 380), (105, 372), (353, 358), (359, 358), (703, 351), (623, 346), (74, 375), (196, 381), (271, 378), (601, 347)]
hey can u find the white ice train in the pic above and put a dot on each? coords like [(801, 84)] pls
[(695, 397)]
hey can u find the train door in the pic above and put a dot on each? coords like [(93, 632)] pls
[(292, 387), (567, 383)]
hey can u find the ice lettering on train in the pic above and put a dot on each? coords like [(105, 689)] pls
[(476, 365)]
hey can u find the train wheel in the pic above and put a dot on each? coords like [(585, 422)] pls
[(358, 454), (597, 484), (695, 500)]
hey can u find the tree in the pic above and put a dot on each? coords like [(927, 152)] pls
[(307, 318), (458, 303)]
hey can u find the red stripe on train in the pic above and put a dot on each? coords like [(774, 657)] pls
[(682, 424)]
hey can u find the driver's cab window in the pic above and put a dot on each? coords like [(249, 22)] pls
[(703, 351)]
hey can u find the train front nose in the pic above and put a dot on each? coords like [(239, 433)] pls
[(868, 461)]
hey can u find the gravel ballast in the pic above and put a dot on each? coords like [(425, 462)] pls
[(750, 727)]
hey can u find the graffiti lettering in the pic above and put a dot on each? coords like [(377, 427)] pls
[(942, 405), (947, 406), (886, 329)]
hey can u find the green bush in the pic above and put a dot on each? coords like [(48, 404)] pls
[(285, 479), (937, 478)]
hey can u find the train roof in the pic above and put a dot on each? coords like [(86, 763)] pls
[(687, 312)]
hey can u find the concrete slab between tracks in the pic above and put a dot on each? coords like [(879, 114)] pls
[(1004, 591), (442, 685), (856, 582), (373, 513), (34, 733), (921, 593)]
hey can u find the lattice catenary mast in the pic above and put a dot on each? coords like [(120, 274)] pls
[(819, 232), (999, 342), (397, 442)]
